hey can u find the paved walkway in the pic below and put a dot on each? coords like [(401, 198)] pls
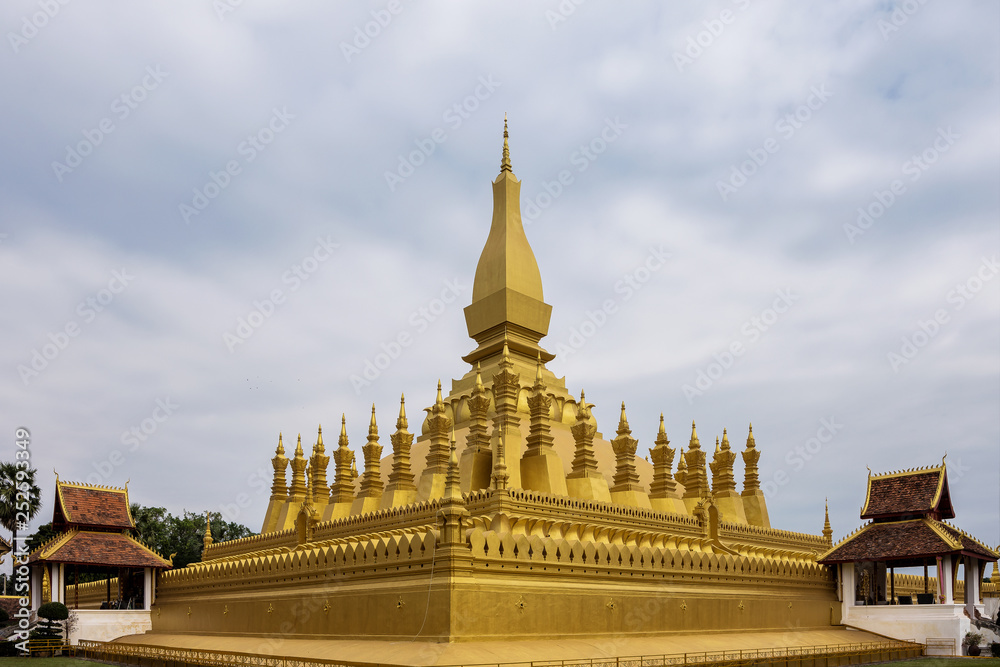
[(472, 653)]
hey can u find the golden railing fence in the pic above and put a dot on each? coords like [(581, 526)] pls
[(816, 656)]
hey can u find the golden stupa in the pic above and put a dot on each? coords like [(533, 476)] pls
[(509, 517)]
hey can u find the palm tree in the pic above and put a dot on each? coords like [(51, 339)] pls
[(19, 497)]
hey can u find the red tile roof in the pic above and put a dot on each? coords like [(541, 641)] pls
[(901, 540), (83, 547), (898, 495), (86, 506)]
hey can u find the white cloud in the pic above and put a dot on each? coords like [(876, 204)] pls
[(656, 184)]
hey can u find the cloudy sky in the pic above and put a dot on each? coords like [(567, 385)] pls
[(214, 215)]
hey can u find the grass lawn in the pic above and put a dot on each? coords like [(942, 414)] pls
[(43, 662), (947, 662)]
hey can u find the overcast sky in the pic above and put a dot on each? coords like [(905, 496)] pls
[(813, 185)]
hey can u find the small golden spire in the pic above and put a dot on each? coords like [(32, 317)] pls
[(663, 428), (695, 443), (583, 410), (343, 430), (725, 441), (319, 439), (505, 162), (623, 421), (401, 422), (372, 426), (354, 469), (538, 372), (298, 446), (506, 351), (439, 400), (479, 379), (751, 443), (281, 447), (716, 443), (207, 540)]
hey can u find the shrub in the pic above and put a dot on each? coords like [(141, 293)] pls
[(995, 649), (53, 613), (8, 649)]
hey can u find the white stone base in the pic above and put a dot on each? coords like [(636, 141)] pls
[(103, 625), (916, 622)]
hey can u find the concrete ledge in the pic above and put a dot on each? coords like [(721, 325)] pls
[(423, 653), (916, 622), (104, 625)]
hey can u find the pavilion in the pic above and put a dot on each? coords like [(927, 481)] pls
[(907, 513), (97, 534)]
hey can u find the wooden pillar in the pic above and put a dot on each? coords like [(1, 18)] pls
[(109, 590), (926, 580), (76, 587), (892, 585)]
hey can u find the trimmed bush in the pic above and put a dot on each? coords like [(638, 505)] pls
[(53, 613)]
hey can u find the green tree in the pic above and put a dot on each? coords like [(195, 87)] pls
[(153, 525), (44, 533), (20, 499), (188, 535)]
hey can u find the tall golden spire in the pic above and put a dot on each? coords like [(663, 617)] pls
[(318, 463), (624, 445), (297, 491), (342, 489), (401, 478), (827, 530), (751, 480), (663, 459), (507, 300), (696, 477), (722, 466), (279, 489), (584, 460), (371, 481)]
